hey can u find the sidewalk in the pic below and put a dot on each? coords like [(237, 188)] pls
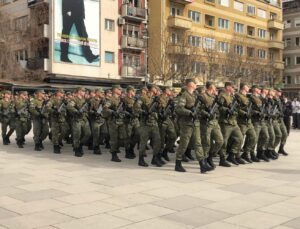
[(43, 190)]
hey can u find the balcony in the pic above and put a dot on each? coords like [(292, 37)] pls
[(133, 71), (179, 50), (276, 45), (180, 22), (275, 24), (133, 43), (183, 1), (35, 63), (279, 65), (134, 13)]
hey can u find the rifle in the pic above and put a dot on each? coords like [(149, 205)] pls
[(196, 108), (61, 108), (168, 108), (154, 105), (100, 109), (233, 107), (213, 108), (44, 106), (274, 112), (83, 108), (249, 110), (22, 111)]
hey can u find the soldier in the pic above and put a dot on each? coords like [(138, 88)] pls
[(210, 128), (81, 132), (7, 116), (167, 129), (147, 109), (115, 121), (189, 125), (245, 123), (22, 116), (280, 129), (96, 119), (229, 126), (37, 109), (56, 108), (131, 123)]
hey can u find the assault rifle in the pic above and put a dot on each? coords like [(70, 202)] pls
[(100, 109), (213, 109), (233, 106), (84, 108), (196, 108), (168, 109), (154, 105), (61, 108)]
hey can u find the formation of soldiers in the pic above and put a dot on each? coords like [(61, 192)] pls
[(239, 127)]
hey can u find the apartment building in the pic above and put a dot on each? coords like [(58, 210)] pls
[(291, 54), (106, 43), (206, 35)]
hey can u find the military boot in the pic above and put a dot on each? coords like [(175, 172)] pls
[(37, 147), (77, 152), (246, 157), (41, 145), (231, 159), (261, 156), (165, 155), (114, 157), (209, 168), (56, 149), (97, 150), (275, 155), (211, 163), (155, 161), (188, 154), (81, 149), (178, 166), (20, 144), (128, 154), (64, 47), (269, 154), (142, 162), (240, 160), (254, 158), (184, 158), (223, 162), (203, 166), (89, 56), (131, 151), (5, 141), (159, 158), (282, 151)]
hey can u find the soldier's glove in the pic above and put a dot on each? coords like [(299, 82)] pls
[(115, 114), (193, 115)]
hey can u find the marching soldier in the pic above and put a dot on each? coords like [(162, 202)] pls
[(210, 128), (229, 126), (81, 132), (56, 108), (96, 108), (187, 110), (37, 109), (245, 123), (7, 117)]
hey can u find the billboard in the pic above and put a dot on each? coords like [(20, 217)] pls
[(76, 32)]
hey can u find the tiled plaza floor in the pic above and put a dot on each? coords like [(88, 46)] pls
[(43, 190)]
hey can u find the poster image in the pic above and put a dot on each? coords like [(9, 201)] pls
[(76, 32)]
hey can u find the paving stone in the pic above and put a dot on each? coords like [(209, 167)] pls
[(157, 223), (242, 188), (215, 195), (38, 195), (4, 213), (295, 223), (81, 198), (283, 209)]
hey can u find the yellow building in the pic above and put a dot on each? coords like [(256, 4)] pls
[(240, 40)]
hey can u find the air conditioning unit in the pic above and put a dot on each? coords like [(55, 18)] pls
[(121, 21)]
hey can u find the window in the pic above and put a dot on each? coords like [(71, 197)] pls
[(195, 41), (224, 3), (297, 41), (251, 9), (223, 46), (109, 57), (174, 67), (131, 60), (287, 61), (238, 6), (195, 16), (238, 28), (174, 38), (296, 79), (223, 23), (271, 55), (287, 79), (131, 30), (250, 31), (261, 33), (287, 24), (209, 20), (239, 49), (250, 52), (21, 23), (272, 35), (297, 22), (175, 11), (273, 16), (261, 53), (109, 25), (297, 59), (208, 43), (197, 67), (261, 13), (21, 55), (287, 42)]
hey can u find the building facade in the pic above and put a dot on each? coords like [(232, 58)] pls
[(216, 40), (291, 38), (111, 29)]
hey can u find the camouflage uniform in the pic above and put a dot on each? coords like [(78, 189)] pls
[(7, 119)]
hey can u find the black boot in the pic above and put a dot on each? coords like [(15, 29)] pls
[(231, 159), (275, 155), (107, 145), (97, 150), (282, 151), (210, 162), (142, 162), (159, 158), (240, 160), (203, 167), (77, 152), (37, 147), (89, 56), (128, 154), (131, 151), (178, 167), (261, 155), (269, 154), (64, 52), (184, 158), (246, 157), (56, 149), (254, 158), (20, 144), (165, 155), (114, 157), (155, 161), (223, 162), (209, 168), (41, 145), (188, 154), (81, 149), (5, 141)]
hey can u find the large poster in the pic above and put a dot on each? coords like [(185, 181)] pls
[(76, 32)]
